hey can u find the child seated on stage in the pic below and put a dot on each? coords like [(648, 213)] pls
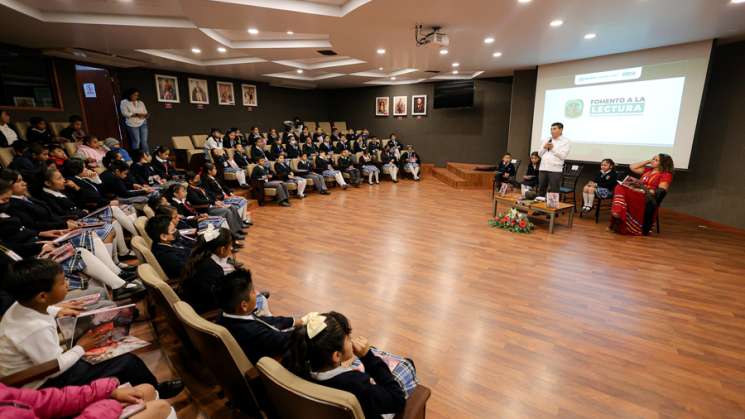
[(530, 179), (505, 171), (603, 185), (28, 335), (257, 335), (323, 350)]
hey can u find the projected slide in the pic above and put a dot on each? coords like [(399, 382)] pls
[(626, 106), (630, 113)]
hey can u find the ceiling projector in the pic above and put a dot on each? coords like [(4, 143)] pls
[(432, 37)]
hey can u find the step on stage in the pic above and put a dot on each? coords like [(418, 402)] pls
[(464, 175)]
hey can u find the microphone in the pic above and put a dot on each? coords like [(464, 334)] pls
[(550, 140)]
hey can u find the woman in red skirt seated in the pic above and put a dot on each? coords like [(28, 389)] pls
[(635, 204)]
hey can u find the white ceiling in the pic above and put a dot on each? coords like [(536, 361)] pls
[(161, 34)]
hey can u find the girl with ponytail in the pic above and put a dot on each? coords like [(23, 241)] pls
[(322, 350), (204, 274)]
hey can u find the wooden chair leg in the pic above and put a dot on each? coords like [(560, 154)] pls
[(597, 211)]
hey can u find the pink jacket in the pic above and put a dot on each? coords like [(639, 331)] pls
[(87, 402)]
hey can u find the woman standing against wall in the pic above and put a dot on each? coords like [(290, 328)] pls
[(135, 118)]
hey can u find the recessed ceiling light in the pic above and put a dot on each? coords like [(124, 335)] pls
[(196, 50), (221, 49), (488, 40), (455, 71), (381, 51), (590, 36), (380, 68), (456, 64), (737, 1), (290, 33), (444, 51), (523, 1), (393, 78), (253, 31), (497, 54), (299, 71), (556, 23)]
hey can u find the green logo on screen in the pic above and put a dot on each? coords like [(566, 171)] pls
[(574, 108)]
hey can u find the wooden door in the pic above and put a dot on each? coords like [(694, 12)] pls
[(96, 92)]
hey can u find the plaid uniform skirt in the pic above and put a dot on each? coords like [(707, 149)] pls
[(603, 193), (369, 168), (85, 239), (235, 201), (403, 369), (73, 268), (103, 216), (409, 167), (330, 173), (213, 220)]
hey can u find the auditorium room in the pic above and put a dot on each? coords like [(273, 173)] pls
[(356, 209)]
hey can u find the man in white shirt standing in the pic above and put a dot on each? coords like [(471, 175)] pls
[(553, 153)]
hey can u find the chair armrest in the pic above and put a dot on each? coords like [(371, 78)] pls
[(31, 374), (416, 405)]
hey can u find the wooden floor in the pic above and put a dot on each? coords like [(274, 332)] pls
[(581, 323)]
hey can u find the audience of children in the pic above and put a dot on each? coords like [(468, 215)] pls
[(70, 191)]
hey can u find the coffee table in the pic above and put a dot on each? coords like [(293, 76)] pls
[(538, 207)]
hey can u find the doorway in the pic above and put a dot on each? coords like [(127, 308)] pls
[(98, 102)]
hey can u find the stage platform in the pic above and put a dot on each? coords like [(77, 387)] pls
[(464, 175)]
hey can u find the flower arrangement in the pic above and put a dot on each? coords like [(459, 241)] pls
[(514, 221)]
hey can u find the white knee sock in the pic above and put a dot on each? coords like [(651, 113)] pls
[(125, 220), (240, 177), (377, 176), (588, 199), (369, 177), (99, 249), (301, 183), (340, 179), (121, 245), (96, 269), (394, 173)]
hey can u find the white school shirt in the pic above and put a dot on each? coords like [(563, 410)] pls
[(223, 262), (553, 160), (212, 143), (9, 134), (29, 338), (128, 109)]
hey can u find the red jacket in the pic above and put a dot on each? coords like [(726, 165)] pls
[(86, 402)]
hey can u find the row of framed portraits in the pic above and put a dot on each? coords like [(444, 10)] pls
[(401, 105), (168, 92)]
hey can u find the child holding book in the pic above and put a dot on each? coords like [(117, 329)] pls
[(28, 335)]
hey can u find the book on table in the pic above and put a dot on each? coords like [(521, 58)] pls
[(114, 323)]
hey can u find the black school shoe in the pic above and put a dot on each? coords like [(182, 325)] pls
[(130, 290), (170, 388)]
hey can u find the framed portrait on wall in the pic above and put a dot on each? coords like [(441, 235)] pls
[(382, 106), (419, 104), (225, 93), (167, 88), (249, 94), (400, 105), (198, 92)]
